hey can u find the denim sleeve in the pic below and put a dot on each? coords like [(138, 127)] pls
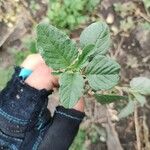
[(63, 129), (24, 116), (26, 123)]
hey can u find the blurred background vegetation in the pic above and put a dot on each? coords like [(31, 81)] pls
[(129, 22)]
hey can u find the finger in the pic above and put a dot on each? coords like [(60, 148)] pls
[(41, 78), (80, 105), (33, 61), (54, 79)]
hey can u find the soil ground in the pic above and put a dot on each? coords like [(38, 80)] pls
[(130, 48)]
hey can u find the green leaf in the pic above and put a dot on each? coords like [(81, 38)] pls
[(145, 26), (146, 4), (102, 73), (55, 47), (98, 34), (141, 85), (126, 111), (140, 98), (83, 58), (105, 99), (71, 88)]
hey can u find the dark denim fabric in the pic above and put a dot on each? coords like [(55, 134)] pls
[(26, 123), (24, 116)]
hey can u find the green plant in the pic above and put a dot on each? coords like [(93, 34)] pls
[(34, 6), (145, 26), (30, 44), (124, 9), (5, 75), (78, 144), (68, 14), (147, 5), (126, 12), (138, 90), (20, 56), (77, 70), (127, 24)]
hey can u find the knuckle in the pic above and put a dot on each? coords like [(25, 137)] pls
[(31, 56)]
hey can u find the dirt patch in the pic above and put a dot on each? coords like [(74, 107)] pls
[(131, 49)]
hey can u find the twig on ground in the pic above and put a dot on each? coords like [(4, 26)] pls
[(25, 7), (144, 16), (113, 141), (7, 35), (119, 47), (146, 133), (137, 127)]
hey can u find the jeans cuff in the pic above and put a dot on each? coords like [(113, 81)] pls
[(70, 113)]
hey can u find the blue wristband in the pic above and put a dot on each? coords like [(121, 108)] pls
[(24, 73)]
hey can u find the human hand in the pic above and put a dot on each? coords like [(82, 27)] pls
[(26, 106), (42, 78)]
